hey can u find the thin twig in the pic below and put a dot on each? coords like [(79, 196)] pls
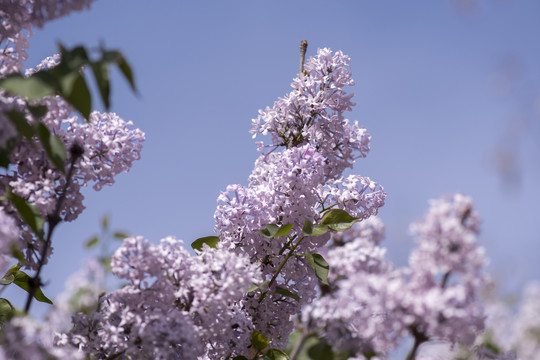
[(419, 339), (53, 219), (303, 48), (280, 267)]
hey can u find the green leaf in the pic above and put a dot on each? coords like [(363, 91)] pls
[(101, 74), (319, 266), (287, 293), (208, 240), (21, 124), (74, 59), (275, 354), (120, 235), (309, 230), (92, 242), (74, 89), (17, 253), (254, 287), (126, 70), (22, 280), (33, 88), (53, 146), (338, 220), (5, 152), (105, 223), (28, 212), (6, 311), (259, 341), (273, 231), (8, 278), (113, 56), (321, 351), (38, 111)]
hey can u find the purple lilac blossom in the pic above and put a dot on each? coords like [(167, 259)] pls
[(297, 184), (19, 15), (174, 305), (81, 294), (370, 306), (24, 338), (525, 340), (109, 146)]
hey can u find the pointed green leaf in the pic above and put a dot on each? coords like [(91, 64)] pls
[(310, 230), (73, 59), (6, 311), (22, 280), (32, 88), (92, 242), (319, 266), (126, 70), (259, 341), (287, 293), (101, 74), (21, 124), (270, 230), (9, 276), (74, 89), (211, 241), (273, 231), (17, 253), (275, 354), (7, 279), (53, 146), (28, 212), (120, 235), (113, 56), (338, 220)]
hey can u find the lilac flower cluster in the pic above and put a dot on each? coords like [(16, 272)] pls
[(81, 294), (526, 329), (25, 338), (295, 185), (108, 144), (514, 330), (174, 305), (19, 15), (370, 306)]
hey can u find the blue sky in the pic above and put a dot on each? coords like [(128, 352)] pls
[(441, 91)]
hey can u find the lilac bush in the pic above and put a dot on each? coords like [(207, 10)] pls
[(297, 252)]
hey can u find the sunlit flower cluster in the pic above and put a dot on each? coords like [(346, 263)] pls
[(296, 180)]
